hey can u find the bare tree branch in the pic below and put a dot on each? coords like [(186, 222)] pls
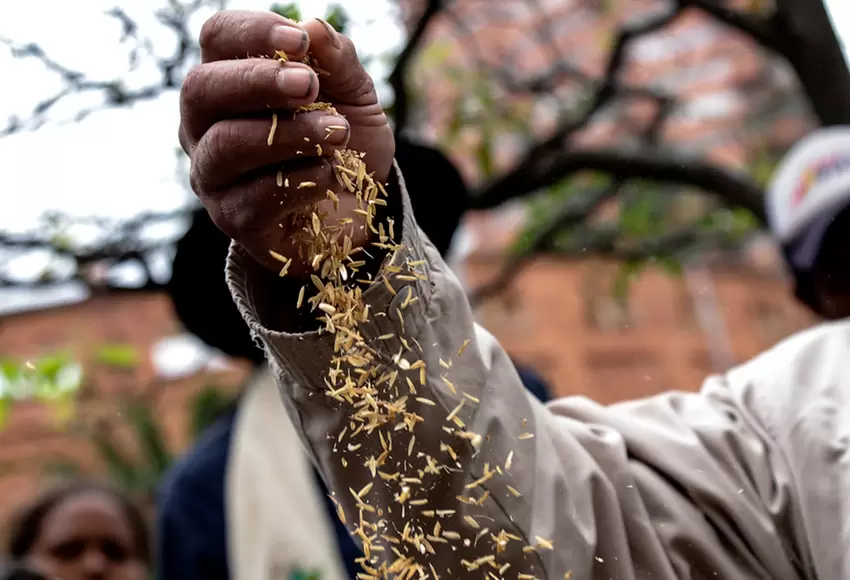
[(175, 17), (737, 190), (547, 152), (760, 30), (572, 212), (398, 76), (121, 241)]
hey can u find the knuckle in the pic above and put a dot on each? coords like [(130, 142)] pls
[(212, 29), (238, 219), (219, 139), (193, 87), (359, 82), (212, 153), (221, 219), (261, 73), (196, 180), (183, 139)]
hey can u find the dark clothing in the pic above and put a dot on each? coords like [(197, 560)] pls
[(192, 526), (192, 529)]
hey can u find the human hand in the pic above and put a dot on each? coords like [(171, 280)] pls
[(248, 177)]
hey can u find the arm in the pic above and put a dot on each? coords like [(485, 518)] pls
[(676, 486)]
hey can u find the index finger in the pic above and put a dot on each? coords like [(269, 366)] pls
[(236, 34)]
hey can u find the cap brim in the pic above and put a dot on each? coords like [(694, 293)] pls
[(802, 255), (803, 251)]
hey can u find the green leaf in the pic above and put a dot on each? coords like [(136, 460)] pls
[(118, 356), (151, 440), (623, 280), (5, 405), (63, 405), (485, 153), (206, 406), (671, 265), (62, 241), (121, 470), (291, 11), (337, 17), (435, 55), (49, 367)]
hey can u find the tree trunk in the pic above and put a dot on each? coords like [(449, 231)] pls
[(815, 52)]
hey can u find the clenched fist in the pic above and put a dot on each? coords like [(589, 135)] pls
[(226, 108)]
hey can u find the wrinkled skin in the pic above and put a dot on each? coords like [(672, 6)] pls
[(226, 108)]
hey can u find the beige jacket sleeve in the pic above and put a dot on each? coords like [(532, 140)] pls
[(748, 479)]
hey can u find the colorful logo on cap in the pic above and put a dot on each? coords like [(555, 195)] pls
[(822, 169)]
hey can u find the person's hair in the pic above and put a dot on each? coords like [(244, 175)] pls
[(25, 529), (19, 572)]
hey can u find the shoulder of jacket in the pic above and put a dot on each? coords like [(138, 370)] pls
[(805, 371), (818, 344)]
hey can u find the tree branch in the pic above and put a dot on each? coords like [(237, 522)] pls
[(572, 212), (760, 30), (175, 17), (398, 76), (667, 245), (122, 242), (737, 190), (542, 155)]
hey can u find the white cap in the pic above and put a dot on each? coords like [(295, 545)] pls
[(809, 189), (812, 181)]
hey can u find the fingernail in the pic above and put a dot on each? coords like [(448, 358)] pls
[(336, 129), (296, 81), (289, 39), (334, 35)]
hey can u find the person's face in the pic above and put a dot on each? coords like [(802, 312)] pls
[(86, 537)]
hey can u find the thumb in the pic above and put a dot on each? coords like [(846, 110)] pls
[(342, 77)]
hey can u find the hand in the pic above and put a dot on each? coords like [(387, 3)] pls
[(226, 107)]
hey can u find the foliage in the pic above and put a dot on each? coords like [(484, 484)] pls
[(302, 575), (206, 406), (117, 356), (478, 108), (53, 379), (137, 463), (335, 14)]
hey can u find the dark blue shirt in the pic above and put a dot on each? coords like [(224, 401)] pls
[(191, 537)]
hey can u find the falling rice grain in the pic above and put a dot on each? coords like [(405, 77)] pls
[(270, 140)]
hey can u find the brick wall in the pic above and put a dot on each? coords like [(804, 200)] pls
[(564, 319), (33, 438)]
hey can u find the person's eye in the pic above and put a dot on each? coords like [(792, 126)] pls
[(115, 552), (68, 550)]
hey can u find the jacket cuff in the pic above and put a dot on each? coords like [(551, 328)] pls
[(404, 274)]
